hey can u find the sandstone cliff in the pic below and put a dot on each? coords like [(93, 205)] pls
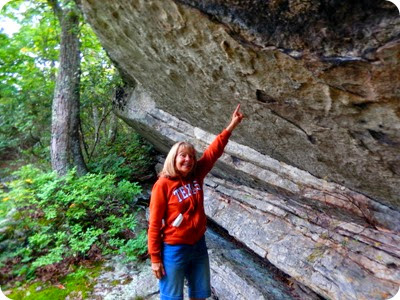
[(311, 179)]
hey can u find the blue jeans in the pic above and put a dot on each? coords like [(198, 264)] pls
[(185, 261)]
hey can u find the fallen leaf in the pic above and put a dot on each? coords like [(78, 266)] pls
[(60, 286)]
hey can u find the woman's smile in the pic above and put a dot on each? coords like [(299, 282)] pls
[(184, 161)]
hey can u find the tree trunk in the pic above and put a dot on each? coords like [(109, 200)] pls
[(96, 124), (96, 119), (76, 149), (112, 132), (103, 125), (65, 109)]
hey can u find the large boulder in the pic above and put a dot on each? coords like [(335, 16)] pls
[(315, 165)]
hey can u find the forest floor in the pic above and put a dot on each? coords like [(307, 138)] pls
[(95, 277), (8, 164), (109, 278)]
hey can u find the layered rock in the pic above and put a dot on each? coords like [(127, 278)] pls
[(334, 116), (235, 274), (337, 258), (338, 242), (315, 165)]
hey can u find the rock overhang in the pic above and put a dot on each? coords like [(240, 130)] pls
[(322, 103), (336, 116)]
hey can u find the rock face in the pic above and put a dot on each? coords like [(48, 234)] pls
[(234, 274), (314, 169), (335, 116)]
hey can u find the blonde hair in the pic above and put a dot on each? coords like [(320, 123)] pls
[(169, 169)]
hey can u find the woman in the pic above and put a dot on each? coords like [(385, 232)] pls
[(177, 219)]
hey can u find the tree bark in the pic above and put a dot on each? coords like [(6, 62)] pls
[(65, 108), (96, 124), (112, 132), (96, 119), (76, 149)]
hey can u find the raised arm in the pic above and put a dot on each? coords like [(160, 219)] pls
[(237, 117), (216, 148)]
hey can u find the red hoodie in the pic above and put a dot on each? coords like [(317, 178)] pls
[(172, 196)]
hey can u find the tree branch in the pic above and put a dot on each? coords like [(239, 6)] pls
[(56, 8)]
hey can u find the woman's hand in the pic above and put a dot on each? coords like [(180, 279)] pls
[(158, 269), (237, 117)]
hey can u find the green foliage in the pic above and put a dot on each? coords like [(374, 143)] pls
[(80, 282), (5, 205), (135, 248), (60, 217), (129, 157), (28, 69), (50, 219)]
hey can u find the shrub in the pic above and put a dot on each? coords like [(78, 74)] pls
[(129, 157), (60, 217)]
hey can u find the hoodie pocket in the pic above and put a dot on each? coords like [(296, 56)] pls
[(178, 221)]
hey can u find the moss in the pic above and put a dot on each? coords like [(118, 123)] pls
[(318, 252), (324, 236), (109, 268), (81, 281), (115, 282), (126, 281), (344, 242), (97, 268)]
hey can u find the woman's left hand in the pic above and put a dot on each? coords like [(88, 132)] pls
[(158, 269), (237, 117)]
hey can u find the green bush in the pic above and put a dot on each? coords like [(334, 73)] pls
[(128, 157), (60, 217)]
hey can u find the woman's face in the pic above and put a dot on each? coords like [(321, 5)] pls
[(184, 161)]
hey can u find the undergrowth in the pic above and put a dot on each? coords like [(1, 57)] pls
[(50, 222), (77, 285)]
